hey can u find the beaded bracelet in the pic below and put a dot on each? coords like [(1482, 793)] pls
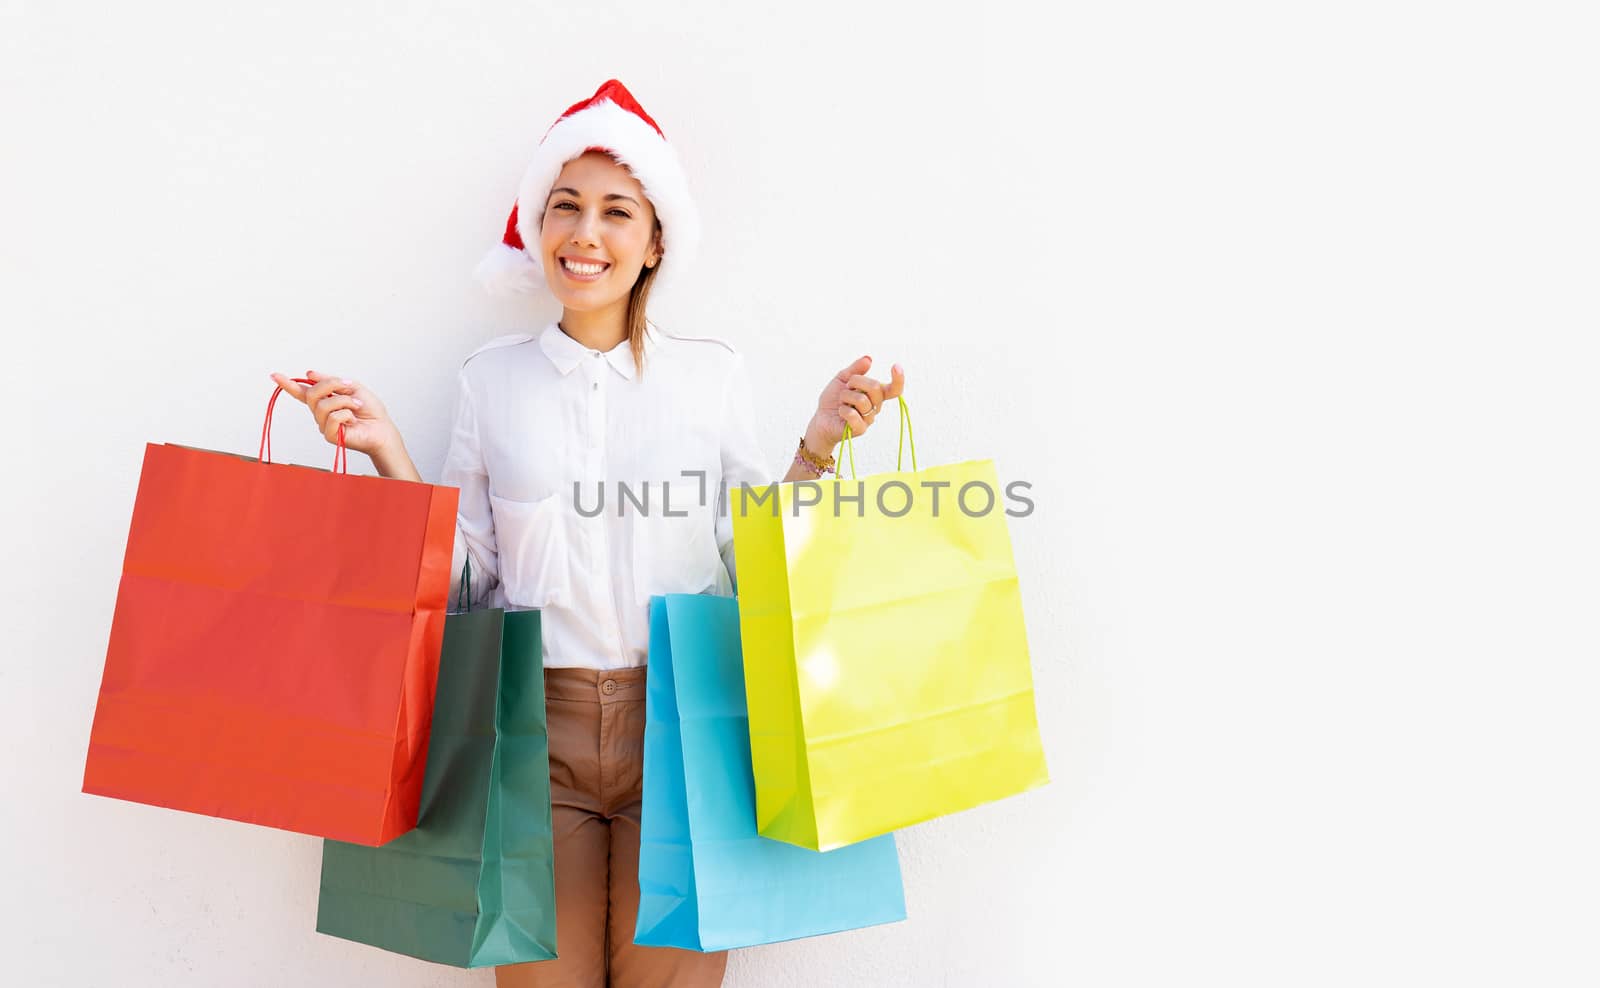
[(808, 468), (805, 458), (816, 462)]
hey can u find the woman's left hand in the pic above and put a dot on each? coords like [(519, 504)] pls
[(851, 398)]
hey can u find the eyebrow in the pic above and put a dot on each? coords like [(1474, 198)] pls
[(576, 195)]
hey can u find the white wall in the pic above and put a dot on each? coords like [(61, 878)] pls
[(1286, 311)]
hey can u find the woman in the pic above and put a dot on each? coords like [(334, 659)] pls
[(550, 424)]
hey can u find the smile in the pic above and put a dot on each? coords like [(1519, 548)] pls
[(583, 271)]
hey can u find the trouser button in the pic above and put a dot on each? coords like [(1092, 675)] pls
[(608, 687)]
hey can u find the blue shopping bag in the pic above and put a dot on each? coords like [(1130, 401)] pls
[(707, 880)]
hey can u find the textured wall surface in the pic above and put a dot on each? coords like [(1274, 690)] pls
[(1275, 307)]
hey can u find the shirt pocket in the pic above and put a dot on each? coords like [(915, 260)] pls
[(675, 554), (532, 541)]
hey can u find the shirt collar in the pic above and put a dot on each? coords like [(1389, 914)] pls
[(566, 352)]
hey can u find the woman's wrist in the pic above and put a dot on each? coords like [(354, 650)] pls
[(391, 460), (817, 445)]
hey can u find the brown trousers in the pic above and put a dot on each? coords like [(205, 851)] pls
[(596, 774)]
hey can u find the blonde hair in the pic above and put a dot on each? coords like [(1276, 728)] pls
[(638, 297)]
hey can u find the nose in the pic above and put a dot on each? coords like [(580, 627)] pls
[(583, 232)]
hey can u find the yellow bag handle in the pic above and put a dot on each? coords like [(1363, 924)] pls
[(905, 434)]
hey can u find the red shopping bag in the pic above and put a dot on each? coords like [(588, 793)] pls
[(275, 645)]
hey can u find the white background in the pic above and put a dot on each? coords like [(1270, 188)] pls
[(1286, 310)]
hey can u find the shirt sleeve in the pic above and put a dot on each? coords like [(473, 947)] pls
[(464, 468), (742, 461)]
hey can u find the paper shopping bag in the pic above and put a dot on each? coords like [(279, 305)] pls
[(275, 644), (474, 884), (886, 662), (707, 880)]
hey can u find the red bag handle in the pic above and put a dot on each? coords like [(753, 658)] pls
[(341, 459)]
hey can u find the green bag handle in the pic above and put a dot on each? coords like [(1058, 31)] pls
[(464, 593), (905, 434)]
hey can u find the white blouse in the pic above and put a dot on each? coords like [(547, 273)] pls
[(538, 415)]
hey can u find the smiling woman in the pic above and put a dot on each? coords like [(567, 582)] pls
[(605, 157), (599, 231), (603, 217)]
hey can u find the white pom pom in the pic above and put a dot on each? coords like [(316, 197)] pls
[(506, 270)]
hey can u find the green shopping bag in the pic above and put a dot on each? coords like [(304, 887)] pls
[(474, 884)]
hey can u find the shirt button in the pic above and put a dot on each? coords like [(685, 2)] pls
[(596, 386), (596, 354), (608, 687)]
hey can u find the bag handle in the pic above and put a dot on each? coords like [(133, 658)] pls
[(905, 434), (341, 459), (464, 592)]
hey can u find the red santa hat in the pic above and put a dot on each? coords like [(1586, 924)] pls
[(613, 121)]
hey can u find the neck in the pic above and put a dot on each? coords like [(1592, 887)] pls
[(598, 329)]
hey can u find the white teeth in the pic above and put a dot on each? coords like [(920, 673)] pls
[(586, 269)]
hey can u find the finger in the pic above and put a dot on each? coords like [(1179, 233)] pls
[(859, 366), (334, 402), (290, 387), (867, 386), (859, 401), (897, 383), (853, 419), (330, 427), (327, 384)]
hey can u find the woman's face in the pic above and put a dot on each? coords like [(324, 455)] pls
[(598, 233)]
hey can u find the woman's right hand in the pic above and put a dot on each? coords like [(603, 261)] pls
[(336, 401)]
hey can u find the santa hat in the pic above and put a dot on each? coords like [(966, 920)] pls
[(613, 121)]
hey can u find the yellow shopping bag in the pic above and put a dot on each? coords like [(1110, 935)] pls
[(886, 664)]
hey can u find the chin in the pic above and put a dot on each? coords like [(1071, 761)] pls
[(581, 299)]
